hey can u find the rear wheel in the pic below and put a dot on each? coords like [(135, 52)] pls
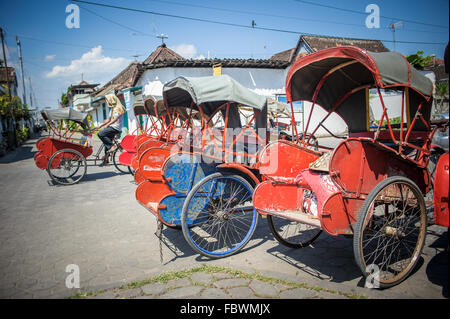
[(292, 234), (218, 218), (119, 166), (390, 231), (67, 167)]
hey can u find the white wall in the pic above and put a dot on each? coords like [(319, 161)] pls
[(266, 82)]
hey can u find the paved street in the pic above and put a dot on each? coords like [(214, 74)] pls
[(98, 225)]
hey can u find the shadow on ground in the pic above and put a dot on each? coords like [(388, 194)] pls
[(437, 268)]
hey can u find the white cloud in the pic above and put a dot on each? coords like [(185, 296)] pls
[(50, 57), (93, 65), (187, 51)]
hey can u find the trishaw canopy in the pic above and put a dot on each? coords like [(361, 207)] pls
[(66, 114), (210, 92), (338, 79)]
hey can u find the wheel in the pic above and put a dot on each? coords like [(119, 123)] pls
[(292, 234), (218, 218), (120, 167), (67, 167), (390, 231)]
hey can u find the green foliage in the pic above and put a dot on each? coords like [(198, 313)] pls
[(418, 61), (64, 100), (442, 88), (394, 120), (19, 110), (23, 134)]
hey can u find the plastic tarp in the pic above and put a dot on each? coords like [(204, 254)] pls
[(210, 92), (66, 114)]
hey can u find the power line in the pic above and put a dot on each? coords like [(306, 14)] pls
[(115, 22), (365, 13), (226, 23), (67, 44), (281, 16)]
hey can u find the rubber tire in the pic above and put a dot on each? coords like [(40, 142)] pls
[(56, 180), (357, 247), (285, 242), (186, 227), (121, 168)]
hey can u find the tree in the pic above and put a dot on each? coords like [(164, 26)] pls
[(418, 61), (441, 89)]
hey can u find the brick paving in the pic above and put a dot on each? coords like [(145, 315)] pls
[(98, 225)]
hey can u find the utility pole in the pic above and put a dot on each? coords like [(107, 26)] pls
[(9, 89), (19, 50), (31, 92)]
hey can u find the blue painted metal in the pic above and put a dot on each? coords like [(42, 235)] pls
[(182, 171)]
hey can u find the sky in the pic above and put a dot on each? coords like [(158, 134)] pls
[(108, 39)]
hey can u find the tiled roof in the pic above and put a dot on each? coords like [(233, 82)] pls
[(283, 56), (127, 78), (225, 63), (161, 54), (317, 43)]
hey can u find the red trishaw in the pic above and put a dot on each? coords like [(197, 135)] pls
[(204, 182), (372, 184), (66, 152)]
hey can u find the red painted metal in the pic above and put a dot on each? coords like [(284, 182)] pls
[(283, 160), (150, 193), (51, 145), (358, 164), (441, 191), (138, 177), (151, 162), (128, 144), (125, 158)]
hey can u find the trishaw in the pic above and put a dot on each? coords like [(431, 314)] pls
[(65, 156), (160, 130), (146, 128), (372, 185), (204, 182)]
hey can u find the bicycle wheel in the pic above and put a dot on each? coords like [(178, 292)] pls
[(120, 167), (67, 167), (390, 231), (292, 234), (218, 218)]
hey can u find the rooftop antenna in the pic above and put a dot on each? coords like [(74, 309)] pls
[(396, 25), (162, 36)]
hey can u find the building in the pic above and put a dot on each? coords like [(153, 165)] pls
[(79, 95), (11, 75), (264, 76)]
